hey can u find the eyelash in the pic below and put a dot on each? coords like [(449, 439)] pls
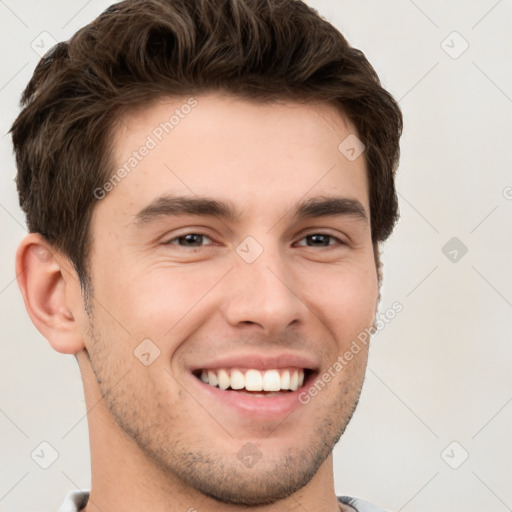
[(170, 242)]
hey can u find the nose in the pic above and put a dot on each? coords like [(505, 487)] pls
[(264, 293)]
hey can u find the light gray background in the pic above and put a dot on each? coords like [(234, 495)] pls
[(440, 371)]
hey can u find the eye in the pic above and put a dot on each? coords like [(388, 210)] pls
[(320, 240), (189, 240), (194, 240)]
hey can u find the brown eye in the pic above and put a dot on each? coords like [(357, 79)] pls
[(320, 240)]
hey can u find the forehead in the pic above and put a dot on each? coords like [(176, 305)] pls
[(217, 145)]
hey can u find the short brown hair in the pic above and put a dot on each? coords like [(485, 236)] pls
[(138, 51)]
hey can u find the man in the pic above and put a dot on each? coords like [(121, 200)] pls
[(206, 184)]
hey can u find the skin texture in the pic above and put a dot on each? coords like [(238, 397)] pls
[(158, 441)]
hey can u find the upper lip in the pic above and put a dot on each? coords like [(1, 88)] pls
[(259, 361)]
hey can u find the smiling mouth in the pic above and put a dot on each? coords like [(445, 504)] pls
[(255, 382)]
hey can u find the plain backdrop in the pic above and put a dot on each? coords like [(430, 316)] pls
[(432, 431)]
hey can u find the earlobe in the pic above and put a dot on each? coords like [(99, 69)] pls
[(47, 286)]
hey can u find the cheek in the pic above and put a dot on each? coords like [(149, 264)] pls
[(161, 303), (346, 300), (152, 302)]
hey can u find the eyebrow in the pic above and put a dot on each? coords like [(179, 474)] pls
[(174, 205)]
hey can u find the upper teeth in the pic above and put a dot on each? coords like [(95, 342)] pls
[(254, 380)]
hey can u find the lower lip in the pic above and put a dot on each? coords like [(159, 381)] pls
[(256, 407)]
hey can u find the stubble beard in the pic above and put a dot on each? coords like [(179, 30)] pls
[(200, 466)]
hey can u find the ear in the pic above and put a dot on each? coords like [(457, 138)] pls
[(49, 285)]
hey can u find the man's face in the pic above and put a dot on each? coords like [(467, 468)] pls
[(267, 295)]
